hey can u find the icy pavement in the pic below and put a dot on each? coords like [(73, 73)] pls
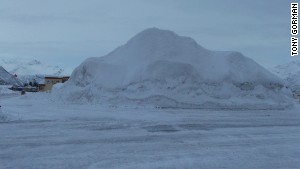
[(43, 135)]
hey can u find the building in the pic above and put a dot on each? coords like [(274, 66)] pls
[(42, 87), (52, 80)]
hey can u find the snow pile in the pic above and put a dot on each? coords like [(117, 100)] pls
[(7, 78), (158, 67), (290, 73)]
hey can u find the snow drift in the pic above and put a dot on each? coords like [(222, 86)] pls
[(158, 67)]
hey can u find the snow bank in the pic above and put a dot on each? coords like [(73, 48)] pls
[(158, 67)]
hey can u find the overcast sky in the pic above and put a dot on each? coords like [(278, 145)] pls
[(69, 31)]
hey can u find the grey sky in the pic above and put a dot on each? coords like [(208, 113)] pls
[(69, 31)]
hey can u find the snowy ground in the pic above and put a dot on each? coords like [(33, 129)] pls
[(5, 92), (40, 134)]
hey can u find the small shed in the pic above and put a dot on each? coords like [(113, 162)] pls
[(42, 87), (50, 81)]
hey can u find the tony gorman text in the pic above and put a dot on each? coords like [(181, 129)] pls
[(294, 29)]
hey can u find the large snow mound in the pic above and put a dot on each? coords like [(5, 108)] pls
[(160, 68)]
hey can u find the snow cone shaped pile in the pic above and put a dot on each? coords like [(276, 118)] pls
[(8, 79), (160, 68)]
